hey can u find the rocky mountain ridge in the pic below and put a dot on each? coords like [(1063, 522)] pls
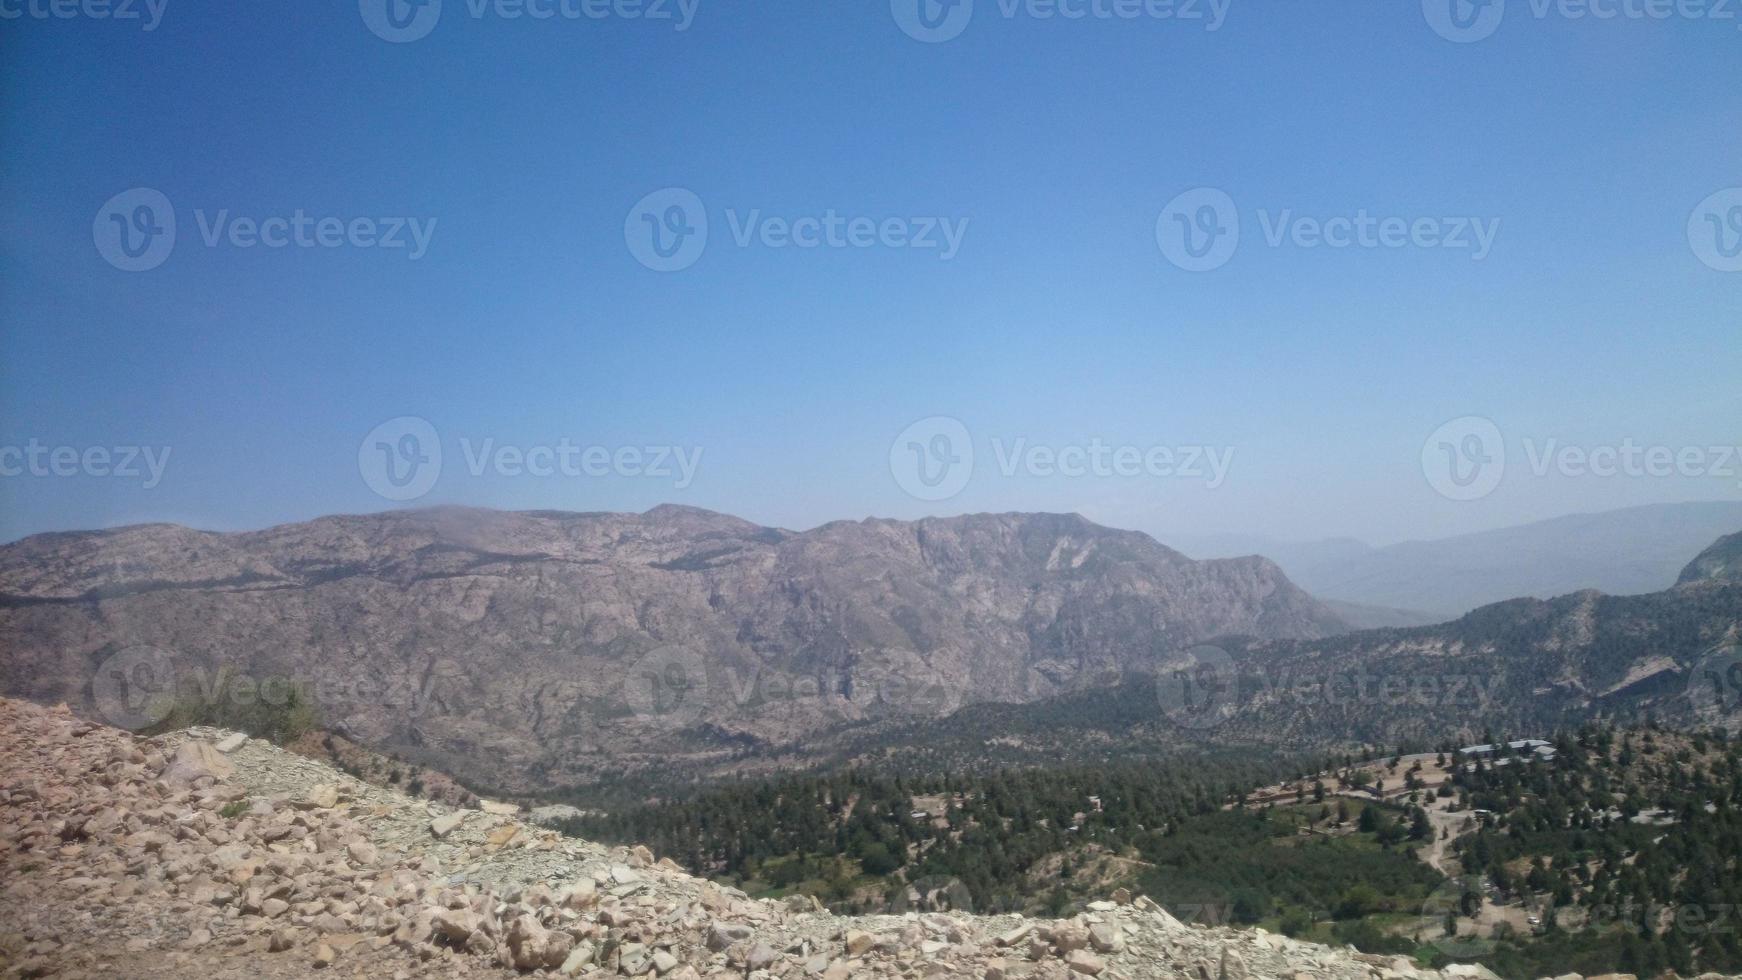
[(520, 650)]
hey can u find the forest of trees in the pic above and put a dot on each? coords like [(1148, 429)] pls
[(1630, 846), (1326, 862), (1019, 840), (986, 832)]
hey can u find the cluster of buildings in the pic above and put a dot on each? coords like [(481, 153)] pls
[(1528, 749)]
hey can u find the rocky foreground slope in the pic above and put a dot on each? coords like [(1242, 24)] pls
[(522, 651), (202, 853)]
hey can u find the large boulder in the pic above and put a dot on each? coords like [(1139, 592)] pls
[(195, 760), (458, 925), (533, 947)]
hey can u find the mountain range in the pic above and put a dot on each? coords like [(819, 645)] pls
[(526, 649)]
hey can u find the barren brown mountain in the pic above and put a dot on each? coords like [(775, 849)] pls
[(523, 650)]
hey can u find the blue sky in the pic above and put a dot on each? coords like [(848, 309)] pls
[(1051, 145)]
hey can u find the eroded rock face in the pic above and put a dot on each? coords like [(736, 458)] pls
[(492, 644), (238, 880)]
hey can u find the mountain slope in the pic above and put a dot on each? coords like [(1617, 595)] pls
[(1526, 667), (525, 649), (1622, 552), (1721, 562)]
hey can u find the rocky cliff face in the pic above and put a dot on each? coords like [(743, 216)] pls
[(527, 649), (1721, 562)]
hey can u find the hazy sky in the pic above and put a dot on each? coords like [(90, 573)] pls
[(1537, 234)]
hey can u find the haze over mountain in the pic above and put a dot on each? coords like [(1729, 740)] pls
[(1621, 552), (525, 649)]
